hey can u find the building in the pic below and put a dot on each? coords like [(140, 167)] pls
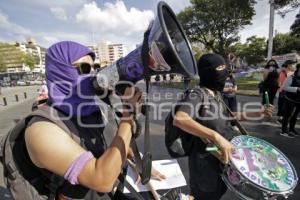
[(110, 53), (12, 56), (280, 59), (95, 49), (37, 52)]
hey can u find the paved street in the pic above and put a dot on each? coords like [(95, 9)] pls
[(10, 92), (266, 129)]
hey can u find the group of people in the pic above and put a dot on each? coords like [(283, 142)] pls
[(88, 167), (284, 82)]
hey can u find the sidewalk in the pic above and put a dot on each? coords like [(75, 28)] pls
[(10, 92)]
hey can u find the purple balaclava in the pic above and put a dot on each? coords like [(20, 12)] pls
[(69, 91)]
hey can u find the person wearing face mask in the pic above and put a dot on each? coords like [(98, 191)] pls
[(206, 121), (270, 81), (62, 153), (229, 96), (287, 69), (292, 104)]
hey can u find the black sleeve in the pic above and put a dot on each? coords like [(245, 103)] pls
[(190, 104)]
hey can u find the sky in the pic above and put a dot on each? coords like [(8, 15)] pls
[(94, 21)]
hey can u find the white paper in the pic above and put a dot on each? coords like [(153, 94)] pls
[(169, 168)]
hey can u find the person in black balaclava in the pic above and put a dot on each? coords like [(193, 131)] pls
[(212, 71), (201, 114)]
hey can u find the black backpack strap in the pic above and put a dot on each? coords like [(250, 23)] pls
[(124, 183), (55, 116), (55, 183)]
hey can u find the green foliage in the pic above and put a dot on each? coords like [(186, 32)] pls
[(285, 6), (216, 23), (285, 43), (30, 60), (253, 50), (198, 51), (12, 56), (9, 55), (295, 28)]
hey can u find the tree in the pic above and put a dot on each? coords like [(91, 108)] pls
[(285, 6), (30, 60), (253, 50), (216, 23), (285, 43), (10, 56), (295, 28)]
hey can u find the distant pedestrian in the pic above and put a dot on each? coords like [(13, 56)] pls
[(164, 77), (172, 77), (157, 80), (286, 70), (292, 104), (41, 98), (229, 96), (270, 82), (186, 82)]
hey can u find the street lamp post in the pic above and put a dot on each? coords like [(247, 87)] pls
[(271, 29)]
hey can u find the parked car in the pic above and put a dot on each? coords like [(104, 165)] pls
[(36, 82), (21, 83)]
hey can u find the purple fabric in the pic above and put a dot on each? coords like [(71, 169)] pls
[(77, 165), (131, 66), (64, 81)]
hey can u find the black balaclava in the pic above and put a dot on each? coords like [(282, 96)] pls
[(210, 75)]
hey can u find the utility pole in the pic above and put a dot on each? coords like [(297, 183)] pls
[(271, 29)]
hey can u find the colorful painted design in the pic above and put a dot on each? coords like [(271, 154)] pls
[(263, 164)]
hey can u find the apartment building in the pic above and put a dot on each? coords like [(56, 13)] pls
[(11, 56), (109, 53)]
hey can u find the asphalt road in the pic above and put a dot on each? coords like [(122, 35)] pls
[(267, 130)]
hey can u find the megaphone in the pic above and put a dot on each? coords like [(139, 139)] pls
[(165, 48)]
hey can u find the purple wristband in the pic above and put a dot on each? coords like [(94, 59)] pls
[(77, 165)]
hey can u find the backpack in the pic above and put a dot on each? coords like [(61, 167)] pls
[(19, 186), (13, 177), (178, 142)]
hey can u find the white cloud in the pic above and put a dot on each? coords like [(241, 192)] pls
[(7, 26), (50, 39), (114, 21), (46, 39), (59, 13), (52, 3), (260, 22)]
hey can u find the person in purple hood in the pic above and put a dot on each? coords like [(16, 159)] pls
[(88, 168)]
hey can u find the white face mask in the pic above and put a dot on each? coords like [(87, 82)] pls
[(271, 68)]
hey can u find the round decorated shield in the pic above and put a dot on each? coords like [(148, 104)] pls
[(263, 164)]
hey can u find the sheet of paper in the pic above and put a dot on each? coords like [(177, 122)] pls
[(170, 168)]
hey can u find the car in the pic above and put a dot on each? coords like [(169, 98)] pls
[(36, 82), (21, 83)]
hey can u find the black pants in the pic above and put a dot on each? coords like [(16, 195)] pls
[(271, 93), (290, 115), (205, 177), (281, 100)]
